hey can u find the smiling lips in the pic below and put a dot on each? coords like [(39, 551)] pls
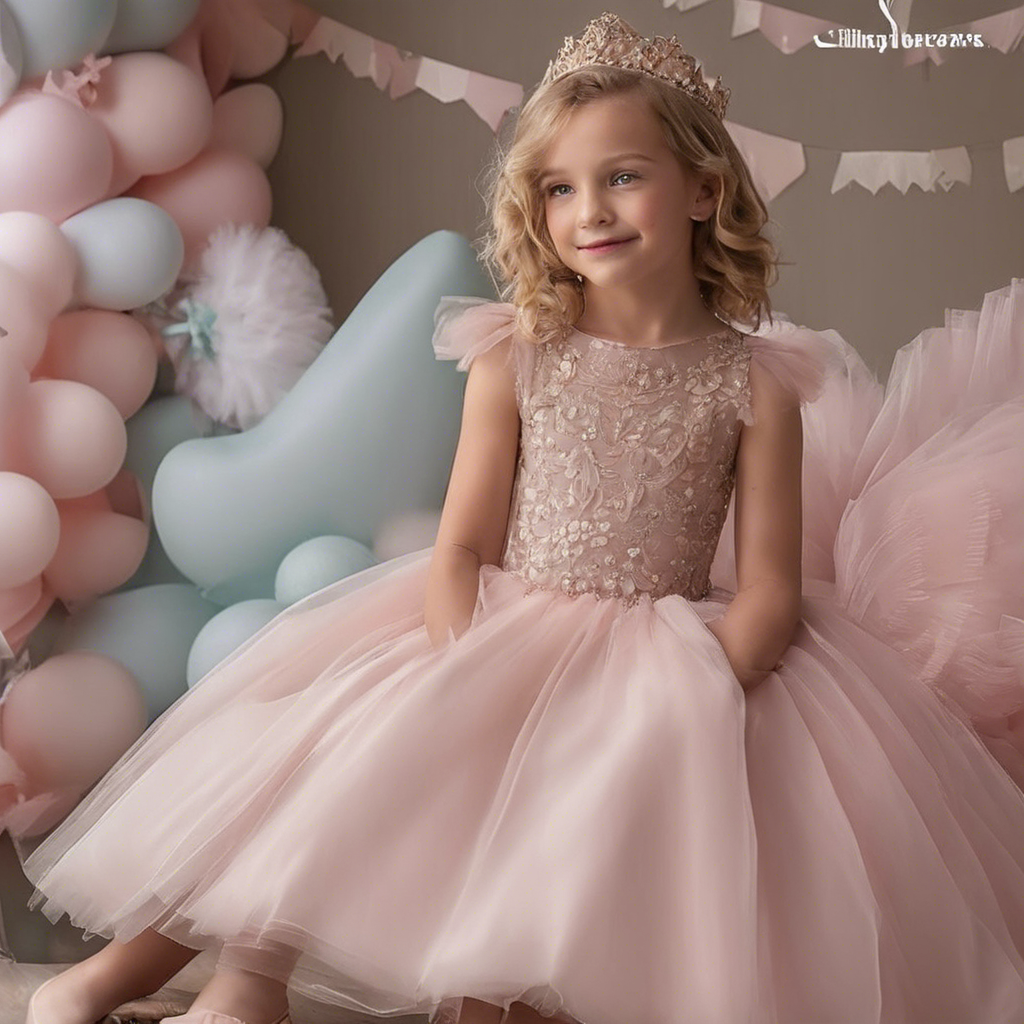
[(607, 245)]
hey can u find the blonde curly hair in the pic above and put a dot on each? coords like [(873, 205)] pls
[(734, 262)]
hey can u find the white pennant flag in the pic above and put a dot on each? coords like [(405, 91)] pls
[(1013, 162), (875, 168)]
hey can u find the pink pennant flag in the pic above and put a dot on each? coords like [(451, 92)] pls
[(774, 162), (492, 98)]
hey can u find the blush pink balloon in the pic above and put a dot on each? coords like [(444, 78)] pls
[(98, 551), (218, 187), (23, 320), (16, 602), (109, 351), (13, 385), (17, 633), (157, 112), (68, 720), (74, 438), (55, 159), (258, 45), (29, 529), (249, 120), (37, 249)]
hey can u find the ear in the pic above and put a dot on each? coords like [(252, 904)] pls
[(703, 206)]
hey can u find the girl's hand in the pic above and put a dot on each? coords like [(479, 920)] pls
[(747, 675)]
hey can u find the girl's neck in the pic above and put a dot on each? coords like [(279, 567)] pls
[(647, 321)]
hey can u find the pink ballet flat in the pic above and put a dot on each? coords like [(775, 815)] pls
[(213, 1017)]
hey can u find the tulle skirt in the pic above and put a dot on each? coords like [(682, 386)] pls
[(574, 805)]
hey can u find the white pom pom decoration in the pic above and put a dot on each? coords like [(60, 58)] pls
[(244, 326)]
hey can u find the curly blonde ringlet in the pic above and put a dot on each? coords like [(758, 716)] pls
[(734, 262)]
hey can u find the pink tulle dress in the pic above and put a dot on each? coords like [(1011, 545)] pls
[(574, 804)]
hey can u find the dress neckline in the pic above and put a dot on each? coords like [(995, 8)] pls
[(656, 348)]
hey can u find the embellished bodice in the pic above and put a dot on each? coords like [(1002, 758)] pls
[(626, 465)]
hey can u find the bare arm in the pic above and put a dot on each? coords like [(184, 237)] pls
[(759, 622), (475, 514)]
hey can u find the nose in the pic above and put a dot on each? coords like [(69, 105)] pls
[(591, 207)]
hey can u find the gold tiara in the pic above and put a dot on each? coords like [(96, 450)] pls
[(609, 40)]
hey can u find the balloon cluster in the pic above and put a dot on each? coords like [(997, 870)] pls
[(120, 153)]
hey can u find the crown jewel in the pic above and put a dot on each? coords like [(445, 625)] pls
[(610, 40)]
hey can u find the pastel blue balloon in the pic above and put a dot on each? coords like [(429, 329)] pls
[(225, 632), (367, 432), (317, 563), (11, 53), (59, 33), (149, 24), (153, 431), (130, 252), (148, 630)]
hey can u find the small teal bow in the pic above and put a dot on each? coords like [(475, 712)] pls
[(198, 322)]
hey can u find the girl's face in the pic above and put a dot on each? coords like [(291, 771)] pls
[(611, 176)]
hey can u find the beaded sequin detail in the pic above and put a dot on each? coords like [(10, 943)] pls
[(626, 465)]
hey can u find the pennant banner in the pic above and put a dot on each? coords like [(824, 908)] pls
[(790, 31), (400, 72), (775, 162)]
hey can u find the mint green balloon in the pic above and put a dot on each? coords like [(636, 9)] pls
[(368, 431), (148, 630), (59, 33), (148, 24), (225, 632), (129, 253), (153, 431), (317, 563)]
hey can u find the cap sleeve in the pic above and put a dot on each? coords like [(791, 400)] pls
[(466, 326), (800, 359)]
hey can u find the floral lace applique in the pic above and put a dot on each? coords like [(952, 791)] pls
[(626, 465)]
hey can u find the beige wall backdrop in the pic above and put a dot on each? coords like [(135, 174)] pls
[(360, 177)]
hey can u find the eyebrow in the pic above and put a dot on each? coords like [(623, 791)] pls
[(557, 172)]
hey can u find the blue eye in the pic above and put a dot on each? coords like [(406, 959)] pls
[(551, 191)]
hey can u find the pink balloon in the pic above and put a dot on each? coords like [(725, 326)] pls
[(109, 351), (15, 602), (74, 438), (55, 159), (249, 120), (218, 187), (98, 551), (17, 632), (37, 249), (157, 112), (23, 320), (68, 720), (258, 45), (13, 384), (29, 529)]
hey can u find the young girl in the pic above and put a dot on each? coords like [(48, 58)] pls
[(545, 769)]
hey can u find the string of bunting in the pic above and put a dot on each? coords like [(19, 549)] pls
[(775, 162)]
